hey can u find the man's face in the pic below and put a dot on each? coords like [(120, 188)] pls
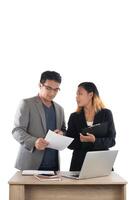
[(49, 89)]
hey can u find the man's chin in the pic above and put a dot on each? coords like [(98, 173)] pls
[(50, 99)]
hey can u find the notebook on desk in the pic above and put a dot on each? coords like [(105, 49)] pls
[(37, 172), (96, 164)]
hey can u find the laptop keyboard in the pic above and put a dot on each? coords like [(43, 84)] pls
[(75, 175), (71, 173)]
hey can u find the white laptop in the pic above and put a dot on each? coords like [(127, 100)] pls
[(96, 164)]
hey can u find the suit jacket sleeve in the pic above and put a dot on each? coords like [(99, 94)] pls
[(109, 140), (63, 126), (72, 132), (20, 127)]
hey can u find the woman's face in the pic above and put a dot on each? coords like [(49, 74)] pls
[(83, 97)]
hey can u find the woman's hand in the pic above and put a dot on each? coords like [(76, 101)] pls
[(58, 132), (87, 138)]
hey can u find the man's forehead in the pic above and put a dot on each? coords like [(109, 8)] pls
[(52, 83)]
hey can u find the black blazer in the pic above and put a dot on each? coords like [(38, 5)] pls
[(76, 123)]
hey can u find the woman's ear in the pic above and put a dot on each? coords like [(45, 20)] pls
[(91, 94)]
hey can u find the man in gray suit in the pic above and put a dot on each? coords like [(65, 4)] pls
[(34, 117)]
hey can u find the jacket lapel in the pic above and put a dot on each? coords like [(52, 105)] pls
[(82, 119), (57, 115), (39, 106)]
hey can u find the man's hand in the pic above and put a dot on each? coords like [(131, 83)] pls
[(41, 144), (58, 132), (87, 138)]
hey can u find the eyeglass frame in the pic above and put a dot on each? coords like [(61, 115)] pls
[(49, 88)]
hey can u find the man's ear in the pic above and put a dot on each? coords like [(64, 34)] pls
[(40, 85)]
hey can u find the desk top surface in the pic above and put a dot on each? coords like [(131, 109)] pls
[(112, 179)]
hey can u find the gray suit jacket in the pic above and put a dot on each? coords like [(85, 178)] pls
[(30, 124)]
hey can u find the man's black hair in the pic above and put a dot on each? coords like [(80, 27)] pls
[(50, 75)]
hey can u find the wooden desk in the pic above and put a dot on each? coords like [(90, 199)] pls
[(104, 188)]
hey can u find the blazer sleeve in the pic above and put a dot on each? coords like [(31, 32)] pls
[(60, 118), (20, 127), (109, 140), (63, 126), (72, 132)]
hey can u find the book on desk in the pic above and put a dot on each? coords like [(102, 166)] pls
[(37, 172), (42, 175)]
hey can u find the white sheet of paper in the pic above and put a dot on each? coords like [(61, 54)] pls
[(56, 141)]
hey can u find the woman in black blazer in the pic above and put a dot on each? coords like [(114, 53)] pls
[(90, 111)]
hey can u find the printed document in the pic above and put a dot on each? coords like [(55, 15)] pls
[(56, 141)]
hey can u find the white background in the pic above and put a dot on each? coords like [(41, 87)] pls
[(83, 41)]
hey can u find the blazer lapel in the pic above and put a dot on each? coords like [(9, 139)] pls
[(58, 117), (82, 119), (39, 106)]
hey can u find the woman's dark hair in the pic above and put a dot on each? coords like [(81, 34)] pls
[(50, 75), (96, 100), (89, 87)]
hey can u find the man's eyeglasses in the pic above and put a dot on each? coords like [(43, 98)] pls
[(51, 89)]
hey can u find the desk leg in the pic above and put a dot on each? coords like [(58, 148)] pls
[(123, 192), (16, 192)]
